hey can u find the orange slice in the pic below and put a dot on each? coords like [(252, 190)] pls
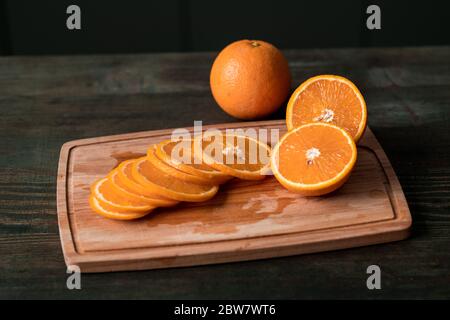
[(180, 155), (125, 177), (177, 174), (314, 159), (236, 155), (328, 99), (113, 201), (122, 189), (97, 207), (166, 185)]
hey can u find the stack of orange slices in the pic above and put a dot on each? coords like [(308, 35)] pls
[(182, 170)]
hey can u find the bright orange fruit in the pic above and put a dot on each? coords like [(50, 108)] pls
[(314, 159), (328, 99), (250, 79)]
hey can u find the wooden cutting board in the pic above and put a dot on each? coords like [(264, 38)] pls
[(244, 221)]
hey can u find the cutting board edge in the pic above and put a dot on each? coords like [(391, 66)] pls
[(110, 262)]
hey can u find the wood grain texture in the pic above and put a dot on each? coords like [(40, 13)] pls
[(247, 220), (46, 101)]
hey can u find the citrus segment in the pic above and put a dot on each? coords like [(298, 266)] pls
[(328, 99), (166, 185), (314, 159)]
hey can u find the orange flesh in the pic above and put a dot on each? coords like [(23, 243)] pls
[(127, 191), (180, 154), (121, 185), (322, 96), (97, 206), (173, 171), (106, 189), (158, 177), (169, 150), (335, 153), (138, 188), (127, 171), (246, 156)]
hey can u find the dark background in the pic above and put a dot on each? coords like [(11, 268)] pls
[(39, 27), (47, 101)]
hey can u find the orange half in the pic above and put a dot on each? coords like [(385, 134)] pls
[(328, 99), (314, 159)]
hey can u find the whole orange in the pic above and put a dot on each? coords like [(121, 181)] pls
[(250, 79)]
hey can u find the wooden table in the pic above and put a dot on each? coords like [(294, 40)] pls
[(45, 101)]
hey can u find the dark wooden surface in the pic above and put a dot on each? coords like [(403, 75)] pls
[(45, 102)]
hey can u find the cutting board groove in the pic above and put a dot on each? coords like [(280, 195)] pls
[(246, 220)]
